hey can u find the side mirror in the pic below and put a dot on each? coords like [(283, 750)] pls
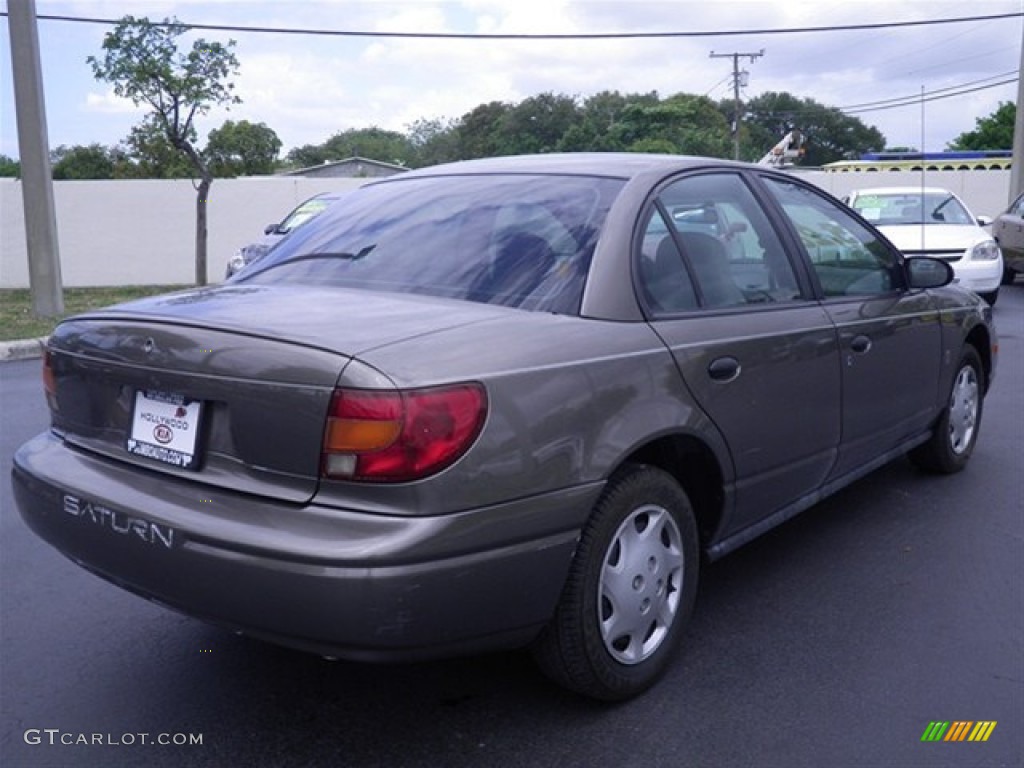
[(984, 221), (926, 272), (270, 229)]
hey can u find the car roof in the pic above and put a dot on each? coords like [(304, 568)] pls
[(624, 165)]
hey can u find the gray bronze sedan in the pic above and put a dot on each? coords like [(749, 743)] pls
[(502, 403)]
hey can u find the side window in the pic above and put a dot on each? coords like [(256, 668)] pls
[(848, 258), (708, 243), (664, 280), (1018, 207)]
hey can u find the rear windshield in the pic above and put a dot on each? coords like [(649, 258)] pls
[(520, 240)]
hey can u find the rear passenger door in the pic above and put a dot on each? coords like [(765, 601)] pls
[(758, 353), (889, 338)]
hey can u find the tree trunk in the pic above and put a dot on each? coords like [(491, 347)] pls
[(202, 197)]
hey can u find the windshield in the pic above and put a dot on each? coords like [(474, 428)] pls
[(520, 241), (302, 214), (912, 208)]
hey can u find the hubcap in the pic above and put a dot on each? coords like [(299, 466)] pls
[(641, 579), (963, 410)]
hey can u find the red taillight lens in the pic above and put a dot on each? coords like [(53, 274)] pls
[(401, 435), (49, 382)]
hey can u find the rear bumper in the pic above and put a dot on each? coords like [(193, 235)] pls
[(330, 581)]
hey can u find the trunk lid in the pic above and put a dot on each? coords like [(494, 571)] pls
[(247, 371)]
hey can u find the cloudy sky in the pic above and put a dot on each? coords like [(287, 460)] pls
[(308, 87)]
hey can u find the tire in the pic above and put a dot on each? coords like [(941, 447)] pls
[(990, 297), (630, 591), (949, 448), (1008, 276)]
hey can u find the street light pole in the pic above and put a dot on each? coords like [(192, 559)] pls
[(736, 92)]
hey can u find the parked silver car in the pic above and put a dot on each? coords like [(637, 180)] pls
[(499, 403), (1008, 230), (302, 214)]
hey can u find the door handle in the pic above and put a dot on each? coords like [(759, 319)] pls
[(860, 344), (724, 369)]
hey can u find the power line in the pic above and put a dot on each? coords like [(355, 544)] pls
[(511, 36), (917, 97), (903, 101)]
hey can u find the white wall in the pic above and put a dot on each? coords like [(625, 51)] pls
[(143, 232)]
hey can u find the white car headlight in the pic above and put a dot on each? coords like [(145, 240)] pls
[(237, 262), (987, 250)]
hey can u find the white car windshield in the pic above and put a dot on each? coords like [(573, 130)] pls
[(912, 208)]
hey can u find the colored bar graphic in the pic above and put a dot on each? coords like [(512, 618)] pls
[(982, 730), (935, 730), (958, 730)]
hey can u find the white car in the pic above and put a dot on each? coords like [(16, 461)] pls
[(931, 221)]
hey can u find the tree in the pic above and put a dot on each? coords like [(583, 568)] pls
[(242, 149), (147, 153), (680, 124), (536, 124), (992, 132), (433, 141), (82, 162), (9, 167), (479, 131), (601, 127), (830, 135), (142, 61), (372, 143)]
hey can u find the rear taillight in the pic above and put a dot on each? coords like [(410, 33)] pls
[(49, 382), (400, 435)]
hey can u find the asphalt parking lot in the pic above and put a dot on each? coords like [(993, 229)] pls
[(834, 640)]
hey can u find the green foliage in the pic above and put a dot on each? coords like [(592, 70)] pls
[(478, 133), (82, 162), (242, 149), (829, 134), (433, 141), (681, 124), (9, 167), (536, 125), (148, 154), (601, 127), (143, 63), (372, 143), (994, 131)]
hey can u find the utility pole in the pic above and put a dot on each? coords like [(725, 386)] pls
[(736, 92), (1016, 169), (34, 150)]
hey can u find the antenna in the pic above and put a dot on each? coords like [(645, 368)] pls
[(922, 169)]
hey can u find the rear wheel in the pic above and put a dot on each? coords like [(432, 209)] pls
[(630, 591), (950, 446)]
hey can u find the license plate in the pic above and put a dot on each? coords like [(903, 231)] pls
[(165, 427)]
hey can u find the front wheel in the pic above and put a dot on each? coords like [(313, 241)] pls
[(630, 591), (990, 297), (951, 444)]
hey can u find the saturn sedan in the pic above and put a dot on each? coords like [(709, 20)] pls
[(502, 403)]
